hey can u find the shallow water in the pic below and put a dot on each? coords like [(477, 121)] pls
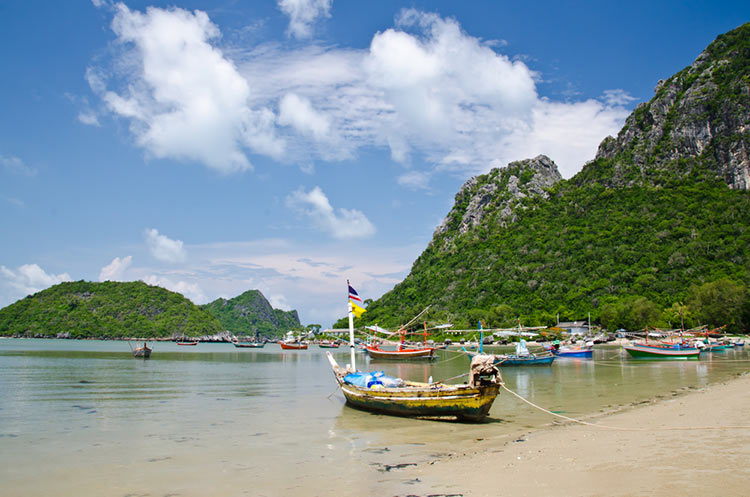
[(85, 418)]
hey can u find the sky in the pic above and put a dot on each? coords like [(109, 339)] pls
[(288, 146)]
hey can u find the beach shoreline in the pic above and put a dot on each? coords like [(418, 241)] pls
[(695, 442)]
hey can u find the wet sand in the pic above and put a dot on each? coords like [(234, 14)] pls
[(662, 448)]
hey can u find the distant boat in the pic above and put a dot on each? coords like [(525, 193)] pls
[(522, 357), (187, 342), (578, 351), (328, 345), (293, 345), (379, 393), (143, 352), (248, 345)]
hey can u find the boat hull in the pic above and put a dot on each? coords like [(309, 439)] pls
[(142, 353), (249, 345), (524, 361), (187, 343), (637, 351), (428, 353), (585, 354), (462, 402), (293, 346)]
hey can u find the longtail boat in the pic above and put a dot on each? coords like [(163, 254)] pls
[(249, 345), (579, 351), (143, 352), (187, 342), (522, 357), (293, 345), (328, 345), (379, 393), (677, 351), (401, 353)]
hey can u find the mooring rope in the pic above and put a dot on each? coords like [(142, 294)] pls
[(620, 428)]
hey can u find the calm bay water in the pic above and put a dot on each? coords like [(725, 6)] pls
[(85, 418)]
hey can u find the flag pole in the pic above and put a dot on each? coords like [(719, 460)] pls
[(351, 330)]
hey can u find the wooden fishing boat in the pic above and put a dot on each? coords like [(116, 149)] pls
[(184, 342), (524, 360), (676, 350), (522, 357), (579, 351), (293, 345), (143, 352), (249, 345), (376, 392), (401, 353), (328, 345)]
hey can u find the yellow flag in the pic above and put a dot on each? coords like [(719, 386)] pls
[(357, 310)]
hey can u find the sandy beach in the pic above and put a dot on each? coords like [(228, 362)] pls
[(694, 443)]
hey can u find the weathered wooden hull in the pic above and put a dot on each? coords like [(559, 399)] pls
[(582, 353), (248, 345), (640, 351), (142, 352), (511, 360), (293, 346), (187, 343), (428, 353), (459, 401)]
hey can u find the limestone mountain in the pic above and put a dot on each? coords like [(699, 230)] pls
[(698, 120), (646, 230), (110, 309), (251, 314)]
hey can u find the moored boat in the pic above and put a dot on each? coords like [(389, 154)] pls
[(401, 353), (677, 351), (187, 342), (383, 394), (579, 351), (293, 345), (522, 357), (328, 345), (142, 352), (249, 345)]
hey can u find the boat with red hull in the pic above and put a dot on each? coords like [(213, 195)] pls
[(293, 346)]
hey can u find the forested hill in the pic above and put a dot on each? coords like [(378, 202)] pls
[(654, 231), (109, 309), (251, 314)]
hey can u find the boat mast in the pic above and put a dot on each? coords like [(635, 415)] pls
[(351, 333)]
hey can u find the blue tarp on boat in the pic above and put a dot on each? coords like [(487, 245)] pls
[(369, 380)]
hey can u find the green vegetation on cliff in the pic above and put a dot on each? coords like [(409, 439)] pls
[(109, 309), (251, 314), (654, 231)]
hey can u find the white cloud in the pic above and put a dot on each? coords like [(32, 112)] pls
[(164, 249), (341, 224), (279, 301), (302, 14), (190, 290), (25, 280), (414, 180), (423, 87), (115, 269), (89, 118), (16, 166), (184, 98)]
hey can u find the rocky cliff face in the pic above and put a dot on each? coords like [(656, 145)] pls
[(700, 117), (251, 313), (495, 197)]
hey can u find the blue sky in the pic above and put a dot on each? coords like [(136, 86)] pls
[(217, 147)]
